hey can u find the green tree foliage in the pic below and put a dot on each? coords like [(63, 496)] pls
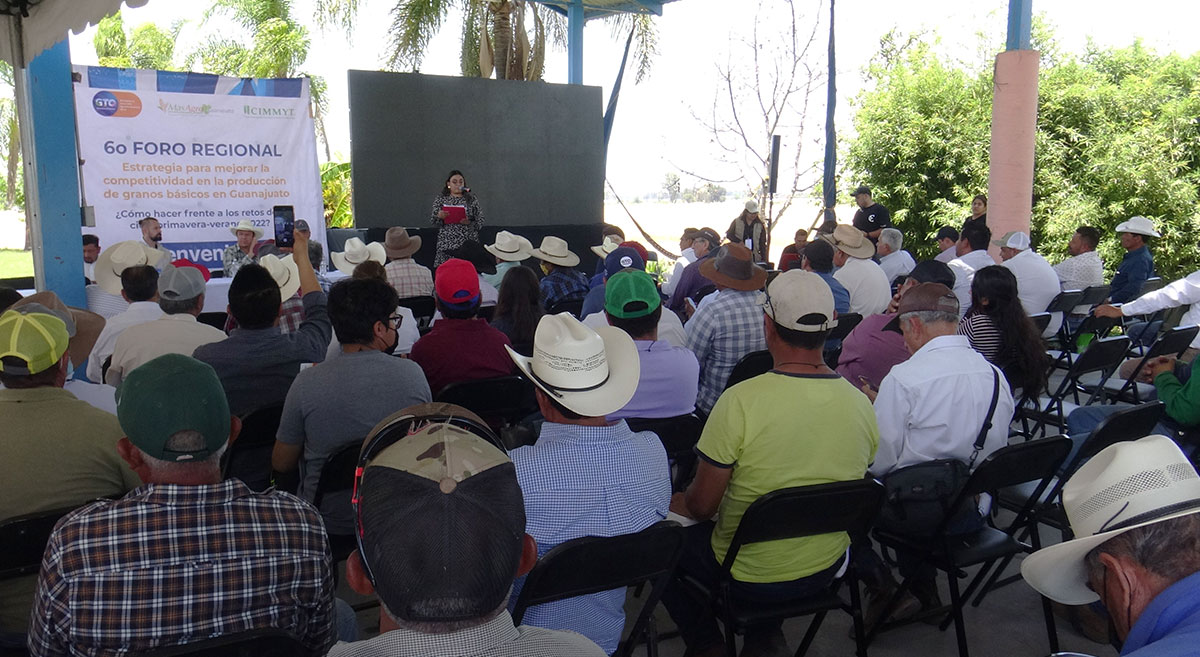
[(149, 46), (336, 188), (1116, 137)]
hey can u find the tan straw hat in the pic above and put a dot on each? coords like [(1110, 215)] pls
[(510, 247), (554, 251), (852, 242), (610, 244), (119, 257), (246, 224), (356, 252)]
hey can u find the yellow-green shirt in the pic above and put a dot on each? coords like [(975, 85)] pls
[(778, 431)]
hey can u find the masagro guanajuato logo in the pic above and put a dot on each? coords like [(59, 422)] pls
[(117, 103)]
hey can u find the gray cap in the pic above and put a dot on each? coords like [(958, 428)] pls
[(179, 283), (302, 226)]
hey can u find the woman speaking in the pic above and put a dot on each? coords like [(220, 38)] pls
[(457, 216)]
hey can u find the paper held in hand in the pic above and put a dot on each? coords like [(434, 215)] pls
[(455, 214)]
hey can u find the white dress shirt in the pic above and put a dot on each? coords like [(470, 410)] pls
[(139, 312), (488, 294), (932, 406), (1079, 273), (870, 289), (946, 255), (670, 328), (89, 271), (897, 263), (964, 273), (686, 258), (1185, 291), (1037, 285), (169, 334)]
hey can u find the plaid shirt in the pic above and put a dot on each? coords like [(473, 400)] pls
[(168, 565), (563, 285), (720, 333), (291, 316), (409, 278), (234, 259)]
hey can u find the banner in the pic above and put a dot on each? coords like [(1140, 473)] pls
[(198, 152)]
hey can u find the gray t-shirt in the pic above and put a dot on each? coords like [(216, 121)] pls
[(336, 404)]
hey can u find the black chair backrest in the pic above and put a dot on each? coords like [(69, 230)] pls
[(1040, 321), (1101, 355), (253, 643), (1065, 301), (678, 434), (1153, 283), (249, 458), (338, 474), (845, 324), (1016, 464), (421, 307), (592, 564), (486, 312), (23, 541), (1174, 341), (573, 306), (215, 320), (259, 427), (507, 398), (841, 506), (1124, 425), (1098, 326), (750, 366), (1095, 295)]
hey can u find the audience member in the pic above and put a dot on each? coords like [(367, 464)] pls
[(241, 252), (1137, 265), (139, 287), (104, 298), (691, 282), (518, 308), (484, 263), (871, 217), (407, 331), (152, 237), (181, 299), (998, 327), (869, 288), (818, 259), (750, 447), (792, 253), (1083, 268), (1135, 548), (585, 476), (622, 257), (687, 255), (83, 328), (91, 251), (947, 241), (669, 379), (316, 257), (291, 312), (610, 238), (404, 274), (894, 262), (460, 346), (978, 214), (1037, 284), (561, 282), (336, 404), (257, 362), (441, 526), (972, 254), (870, 352), (722, 332), (1182, 292), (355, 252), (509, 250), (186, 556), (46, 425), (749, 230)]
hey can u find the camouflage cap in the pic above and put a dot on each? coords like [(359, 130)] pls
[(441, 453)]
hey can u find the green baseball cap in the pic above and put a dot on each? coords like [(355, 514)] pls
[(630, 293), (38, 338), (169, 394)]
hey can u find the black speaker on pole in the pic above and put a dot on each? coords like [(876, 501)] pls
[(771, 189)]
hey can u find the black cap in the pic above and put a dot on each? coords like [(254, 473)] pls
[(932, 271), (947, 233)]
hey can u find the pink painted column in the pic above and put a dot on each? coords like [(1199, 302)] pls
[(1014, 127)]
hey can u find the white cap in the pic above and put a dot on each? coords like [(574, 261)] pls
[(800, 300), (1014, 240)]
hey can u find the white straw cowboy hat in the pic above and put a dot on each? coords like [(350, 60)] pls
[(510, 247), (554, 251), (591, 372), (285, 272), (852, 242), (1138, 226), (119, 257), (610, 244), (245, 224), (356, 252), (1125, 486)]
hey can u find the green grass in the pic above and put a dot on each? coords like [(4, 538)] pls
[(15, 263)]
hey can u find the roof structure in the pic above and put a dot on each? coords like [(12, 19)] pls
[(601, 8)]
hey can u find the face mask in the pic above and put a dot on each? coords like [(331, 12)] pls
[(391, 349)]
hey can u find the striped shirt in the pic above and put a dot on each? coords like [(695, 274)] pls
[(720, 334), (169, 564), (984, 336)]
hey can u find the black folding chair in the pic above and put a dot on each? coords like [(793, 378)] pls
[(592, 564), (337, 479), (1171, 343), (249, 457), (1153, 283), (1064, 302), (1102, 356), (1036, 460), (215, 320), (500, 401), (844, 506), (1041, 321), (1094, 295), (422, 308), (268, 642), (23, 541), (573, 306), (679, 436), (486, 312), (845, 324), (750, 366)]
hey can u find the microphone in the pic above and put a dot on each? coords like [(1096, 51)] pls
[(466, 190)]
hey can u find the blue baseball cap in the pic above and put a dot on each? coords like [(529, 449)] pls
[(622, 257)]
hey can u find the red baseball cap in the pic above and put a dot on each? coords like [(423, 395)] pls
[(637, 246), (457, 284), (184, 262)]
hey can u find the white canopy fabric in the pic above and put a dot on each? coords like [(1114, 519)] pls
[(48, 23)]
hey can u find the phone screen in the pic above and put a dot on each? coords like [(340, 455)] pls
[(285, 225)]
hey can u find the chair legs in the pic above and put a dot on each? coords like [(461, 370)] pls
[(960, 632)]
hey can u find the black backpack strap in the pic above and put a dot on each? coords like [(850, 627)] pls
[(987, 421)]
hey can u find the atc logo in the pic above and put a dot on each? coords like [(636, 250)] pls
[(118, 103)]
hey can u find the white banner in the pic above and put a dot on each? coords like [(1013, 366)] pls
[(198, 152)]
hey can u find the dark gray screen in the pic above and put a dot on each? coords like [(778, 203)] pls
[(532, 152)]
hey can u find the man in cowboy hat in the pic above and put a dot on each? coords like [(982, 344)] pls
[(750, 447), (139, 287), (355, 252), (152, 236), (869, 288), (57, 450), (586, 476), (1137, 264), (509, 250), (408, 278), (726, 329), (562, 282), (691, 282), (241, 252), (104, 298), (1132, 508)]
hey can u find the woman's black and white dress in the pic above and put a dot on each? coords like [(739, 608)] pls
[(452, 236)]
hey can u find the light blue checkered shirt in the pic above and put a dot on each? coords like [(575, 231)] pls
[(589, 481), (720, 334)]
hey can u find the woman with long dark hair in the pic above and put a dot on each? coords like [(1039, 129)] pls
[(455, 226), (978, 211), (518, 308), (998, 327)]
